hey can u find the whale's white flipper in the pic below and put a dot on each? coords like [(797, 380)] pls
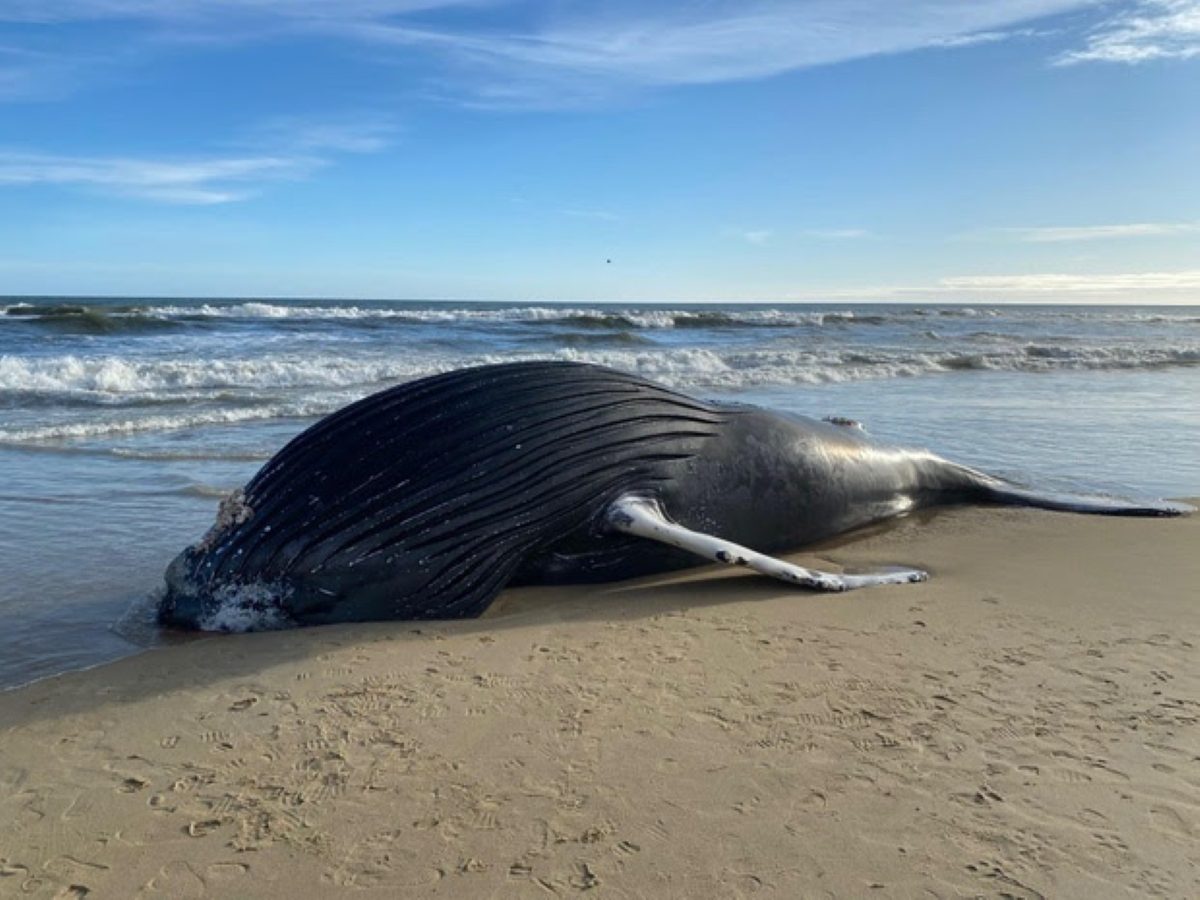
[(643, 518)]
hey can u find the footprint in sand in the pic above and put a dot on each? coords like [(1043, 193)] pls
[(222, 871), (626, 848), (175, 880), (1070, 776), (11, 870), (1093, 818), (1111, 841), (27, 883), (483, 820), (81, 805), (1169, 820), (583, 878), (202, 827)]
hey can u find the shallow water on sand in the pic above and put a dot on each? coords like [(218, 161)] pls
[(122, 422)]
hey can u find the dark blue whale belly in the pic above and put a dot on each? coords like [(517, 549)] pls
[(423, 500)]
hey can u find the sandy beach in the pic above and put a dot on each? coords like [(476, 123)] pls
[(1023, 725)]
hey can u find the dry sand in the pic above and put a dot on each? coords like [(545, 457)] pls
[(1023, 725)]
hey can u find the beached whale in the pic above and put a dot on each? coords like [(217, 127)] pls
[(425, 500)]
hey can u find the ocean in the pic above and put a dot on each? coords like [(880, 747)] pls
[(123, 421)]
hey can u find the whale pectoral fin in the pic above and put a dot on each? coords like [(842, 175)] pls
[(644, 518)]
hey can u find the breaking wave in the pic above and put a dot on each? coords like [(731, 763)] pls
[(110, 378), (132, 396), (128, 426), (577, 317), (70, 318), (78, 370), (119, 318)]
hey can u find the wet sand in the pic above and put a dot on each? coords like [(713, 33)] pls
[(1023, 725)]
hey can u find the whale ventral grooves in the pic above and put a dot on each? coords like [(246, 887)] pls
[(423, 500)]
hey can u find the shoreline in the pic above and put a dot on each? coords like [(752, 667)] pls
[(1024, 722)]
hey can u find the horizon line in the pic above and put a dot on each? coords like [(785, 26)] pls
[(243, 298)]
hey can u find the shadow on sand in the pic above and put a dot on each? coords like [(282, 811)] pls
[(185, 662)]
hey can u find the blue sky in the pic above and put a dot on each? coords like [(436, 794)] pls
[(930, 150)]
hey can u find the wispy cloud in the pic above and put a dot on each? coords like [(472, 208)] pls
[(195, 11), (1064, 234), (359, 132), (192, 181), (1137, 284), (284, 149), (28, 73), (596, 215), (985, 37), (761, 236), (548, 53), (542, 53), (1152, 29), (756, 236), (836, 234), (45, 61), (624, 47), (1181, 286)]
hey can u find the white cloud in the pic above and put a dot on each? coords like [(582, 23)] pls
[(195, 11), (1152, 29), (696, 44), (1140, 285), (552, 53), (836, 234), (1062, 234), (1178, 287), (346, 133), (29, 74), (281, 149), (543, 53), (985, 37), (49, 64), (762, 236), (756, 236), (598, 215), (194, 181)]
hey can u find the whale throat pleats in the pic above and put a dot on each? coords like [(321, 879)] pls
[(422, 500)]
